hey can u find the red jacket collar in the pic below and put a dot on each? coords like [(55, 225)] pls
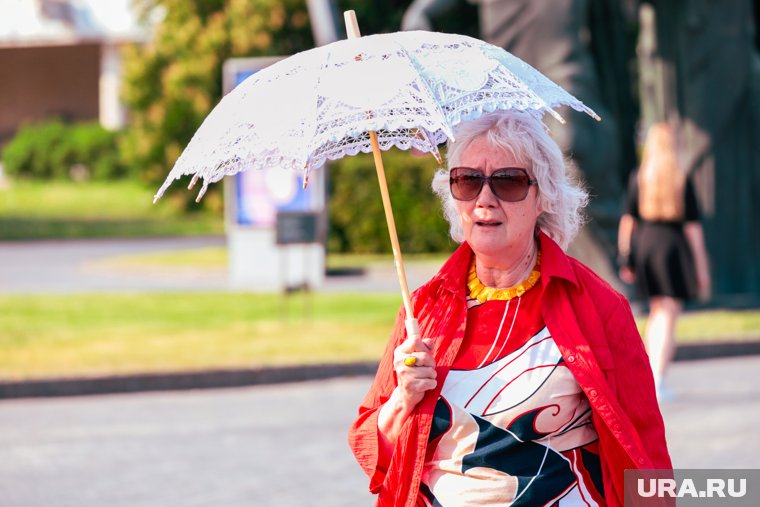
[(554, 264)]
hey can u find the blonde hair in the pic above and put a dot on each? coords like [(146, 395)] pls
[(561, 198), (661, 179)]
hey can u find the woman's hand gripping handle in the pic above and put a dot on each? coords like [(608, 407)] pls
[(414, 365)]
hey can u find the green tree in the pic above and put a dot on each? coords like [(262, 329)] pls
[(172, 83)]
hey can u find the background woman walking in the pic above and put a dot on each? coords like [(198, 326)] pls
[(661, 244)]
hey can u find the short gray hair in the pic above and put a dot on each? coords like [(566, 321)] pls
[(560, 195)]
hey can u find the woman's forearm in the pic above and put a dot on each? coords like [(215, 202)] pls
[(696, 239), (625, 231), (390, 420)]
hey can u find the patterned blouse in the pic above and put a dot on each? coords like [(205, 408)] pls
[(512, 426)]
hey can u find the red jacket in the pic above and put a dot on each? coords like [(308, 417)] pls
[(594, 330)]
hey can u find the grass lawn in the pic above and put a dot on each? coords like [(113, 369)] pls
[(60, 209), (67, 335), (51, 335)]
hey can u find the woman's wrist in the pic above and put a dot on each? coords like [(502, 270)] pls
[(390, 420), (397, 407), (392, 415)]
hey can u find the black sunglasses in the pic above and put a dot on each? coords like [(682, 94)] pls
[(509, 184)]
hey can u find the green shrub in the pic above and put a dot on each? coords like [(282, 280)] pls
[(357, 219), (95, 147), (29, 153), (55, 150)]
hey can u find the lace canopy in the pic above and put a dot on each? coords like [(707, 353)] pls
[(409, 87)]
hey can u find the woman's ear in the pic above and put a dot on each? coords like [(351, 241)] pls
[(539, 205)]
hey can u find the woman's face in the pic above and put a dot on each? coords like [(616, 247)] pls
[(493, 227)]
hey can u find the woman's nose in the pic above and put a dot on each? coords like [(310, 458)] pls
[(486, 197)]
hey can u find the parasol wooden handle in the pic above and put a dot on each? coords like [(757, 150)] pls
[(412, 328)]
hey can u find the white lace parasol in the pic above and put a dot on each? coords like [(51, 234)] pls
[(410, 88)]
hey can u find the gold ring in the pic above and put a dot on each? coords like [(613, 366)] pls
[(410, 360)]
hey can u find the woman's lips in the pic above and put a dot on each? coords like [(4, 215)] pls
[(487, 223)]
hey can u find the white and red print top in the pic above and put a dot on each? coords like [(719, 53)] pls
[(512, 426)]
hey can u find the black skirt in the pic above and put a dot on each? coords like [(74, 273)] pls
[(661, 258), (662, 261)]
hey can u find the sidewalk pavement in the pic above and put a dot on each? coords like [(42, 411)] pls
[(83, 266)]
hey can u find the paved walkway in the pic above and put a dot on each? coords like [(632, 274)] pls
[(285, 445), (83, 266), (86, 266)]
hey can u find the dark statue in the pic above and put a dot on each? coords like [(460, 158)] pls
[(700, 66)]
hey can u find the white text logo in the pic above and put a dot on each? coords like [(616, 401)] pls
[(714, 488)]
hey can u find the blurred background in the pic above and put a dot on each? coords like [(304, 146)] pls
[(102, 292)]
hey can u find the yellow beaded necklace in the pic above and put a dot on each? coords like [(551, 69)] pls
[(482, 293)]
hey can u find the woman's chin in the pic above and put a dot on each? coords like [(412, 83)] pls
[(488, 246)]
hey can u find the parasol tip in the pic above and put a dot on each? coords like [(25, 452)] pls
[(305, 181), (202, 192), (156, 198), (192, 182), (555, 115)]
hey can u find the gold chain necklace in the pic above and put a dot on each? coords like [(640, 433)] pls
[(482, 293)]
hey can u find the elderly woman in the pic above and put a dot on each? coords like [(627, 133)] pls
[(532, 386)]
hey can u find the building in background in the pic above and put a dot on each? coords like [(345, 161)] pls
[(61, 58)]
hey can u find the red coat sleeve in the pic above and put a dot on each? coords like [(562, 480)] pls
[(362, 435), (635, 383)]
